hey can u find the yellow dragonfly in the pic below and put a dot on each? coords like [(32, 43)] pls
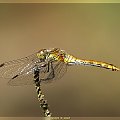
[(44, 65), (51, 64)]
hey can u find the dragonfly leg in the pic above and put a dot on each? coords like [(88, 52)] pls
[(53, 74), (43, 103), (48, 67)]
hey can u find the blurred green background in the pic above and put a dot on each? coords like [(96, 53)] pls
[(87, 31)]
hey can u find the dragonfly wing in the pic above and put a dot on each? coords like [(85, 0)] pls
[(18, 71), (21, 71), (47, 73), (57, 70), (8, 69), (22, 80), (26, 77)]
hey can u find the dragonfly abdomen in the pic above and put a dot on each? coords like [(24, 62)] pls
[(70, 60), (97, 64)]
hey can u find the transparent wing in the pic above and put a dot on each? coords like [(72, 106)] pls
[(22, 80), (50, 72), (56, 71), (19, 71)]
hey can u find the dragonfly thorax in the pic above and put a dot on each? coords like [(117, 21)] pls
[(54, 54)]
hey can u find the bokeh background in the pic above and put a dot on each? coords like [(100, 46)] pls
[(87, 31)]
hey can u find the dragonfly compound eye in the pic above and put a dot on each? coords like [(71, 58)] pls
[(41, 55)]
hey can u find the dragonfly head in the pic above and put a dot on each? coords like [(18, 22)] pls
[(42, 54)]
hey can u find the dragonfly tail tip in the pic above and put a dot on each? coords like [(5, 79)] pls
[(116, 69)]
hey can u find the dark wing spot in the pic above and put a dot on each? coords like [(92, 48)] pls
[(15, 76), (2, 64)]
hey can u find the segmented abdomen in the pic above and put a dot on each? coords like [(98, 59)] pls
[(70, 60)]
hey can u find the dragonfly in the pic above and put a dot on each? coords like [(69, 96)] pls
[(51, 63), (45, 65)]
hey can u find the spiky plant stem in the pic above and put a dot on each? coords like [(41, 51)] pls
[(43, 103)]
